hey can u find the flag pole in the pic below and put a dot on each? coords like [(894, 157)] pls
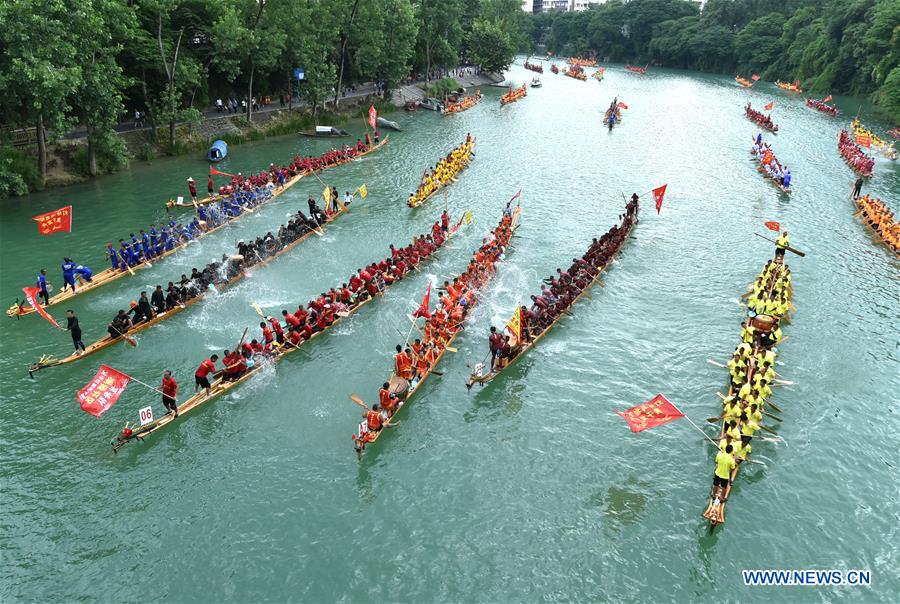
[(691, 422), (134, 379)]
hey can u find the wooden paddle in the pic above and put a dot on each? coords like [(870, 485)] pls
[(126, 338), (258, 310), (775, 417), (356, 399), (789, 248)]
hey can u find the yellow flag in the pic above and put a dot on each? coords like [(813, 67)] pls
[(326, 195), (468, 217), (515, 324), (363, 191)]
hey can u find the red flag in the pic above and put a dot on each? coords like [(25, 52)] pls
[(516, 196), (55, 221), (864, 140), (754, 77), (826, 99), (103, 391), (215, 172), (770, 106), (773, 225), (422, 311), (373, 116), (658, 194), (622, 105), (655, 412), (31, 296)]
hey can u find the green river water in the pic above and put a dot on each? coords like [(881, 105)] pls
[(530, 489)]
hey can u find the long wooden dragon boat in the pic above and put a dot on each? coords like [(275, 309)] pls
[(464, 164), (875, 214), (795, 87), (288, 183), (761, 169), (103, 343), (110, 274), (403, 388), (762, 324), (220, 386), (479, 377), (514, 94)]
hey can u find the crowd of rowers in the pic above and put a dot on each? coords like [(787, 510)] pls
[(279, 175), (149, 245), (854, 156), (442, 173), (880, 217), (752, 367), (760, 118), (412, 363), (768, 162), (319, 314), (514, 94), (886, 147), (613, 113), (561, 291), (466, 102), (822, 106), (217, 273)]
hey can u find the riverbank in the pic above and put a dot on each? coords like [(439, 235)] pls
[(67, 162), (67, 159)]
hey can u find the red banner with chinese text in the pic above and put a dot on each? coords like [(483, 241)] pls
[(103, 390), (373, 117), (655, 412), (31, 295), (55, 221)]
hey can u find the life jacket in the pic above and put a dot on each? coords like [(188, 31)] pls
[(373, 420)]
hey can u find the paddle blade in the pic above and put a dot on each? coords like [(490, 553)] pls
[(356, 399), (131, 342), (451, 349)]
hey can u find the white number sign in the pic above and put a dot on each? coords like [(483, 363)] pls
[(146, 415), (363, 428)]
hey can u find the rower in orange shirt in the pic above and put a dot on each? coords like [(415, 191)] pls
[(403, 363), (387, 399)]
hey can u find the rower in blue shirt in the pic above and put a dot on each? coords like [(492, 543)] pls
[(68, 269), (759, 139), (84, 272), (112, 255), (42, 286), (612, 120), (154, 240), (145, 245), (786, 179)]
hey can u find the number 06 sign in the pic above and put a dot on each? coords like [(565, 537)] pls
[(146, 415)]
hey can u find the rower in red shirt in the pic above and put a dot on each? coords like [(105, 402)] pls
[(386, 399), (301, 314), (293, 337), (445, 221), (290, 320), (201, 379), (279, 331), (268, 336), (355, 283), (170, 393)]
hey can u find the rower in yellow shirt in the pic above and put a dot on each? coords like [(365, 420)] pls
[(725, 464)]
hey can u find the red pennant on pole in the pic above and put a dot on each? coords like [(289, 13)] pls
[(373, 116), (826, 99), (622, 105), (773, 225), (770, 106), (31, 295), (102, 391), (655, 412), (215, 172), (55, 221), (423, 311), (658, 194)]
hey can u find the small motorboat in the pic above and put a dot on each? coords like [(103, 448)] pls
[(432, 104), (217, 152), (383, 123), (535, 82), (326, 132)]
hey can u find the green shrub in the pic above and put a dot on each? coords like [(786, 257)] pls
[(18, 173)]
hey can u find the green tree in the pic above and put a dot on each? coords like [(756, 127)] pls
[(490, 46), (247, 38), (440, 33), (39, 68)]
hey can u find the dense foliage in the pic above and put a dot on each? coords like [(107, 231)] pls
[(831, 46), (89, 64)]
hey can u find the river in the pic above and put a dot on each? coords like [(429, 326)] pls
[(530, 489)]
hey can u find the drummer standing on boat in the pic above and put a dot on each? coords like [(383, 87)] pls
[(170, 393), (192, 187)]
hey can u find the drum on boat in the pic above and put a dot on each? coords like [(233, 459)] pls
[(764, 323)]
